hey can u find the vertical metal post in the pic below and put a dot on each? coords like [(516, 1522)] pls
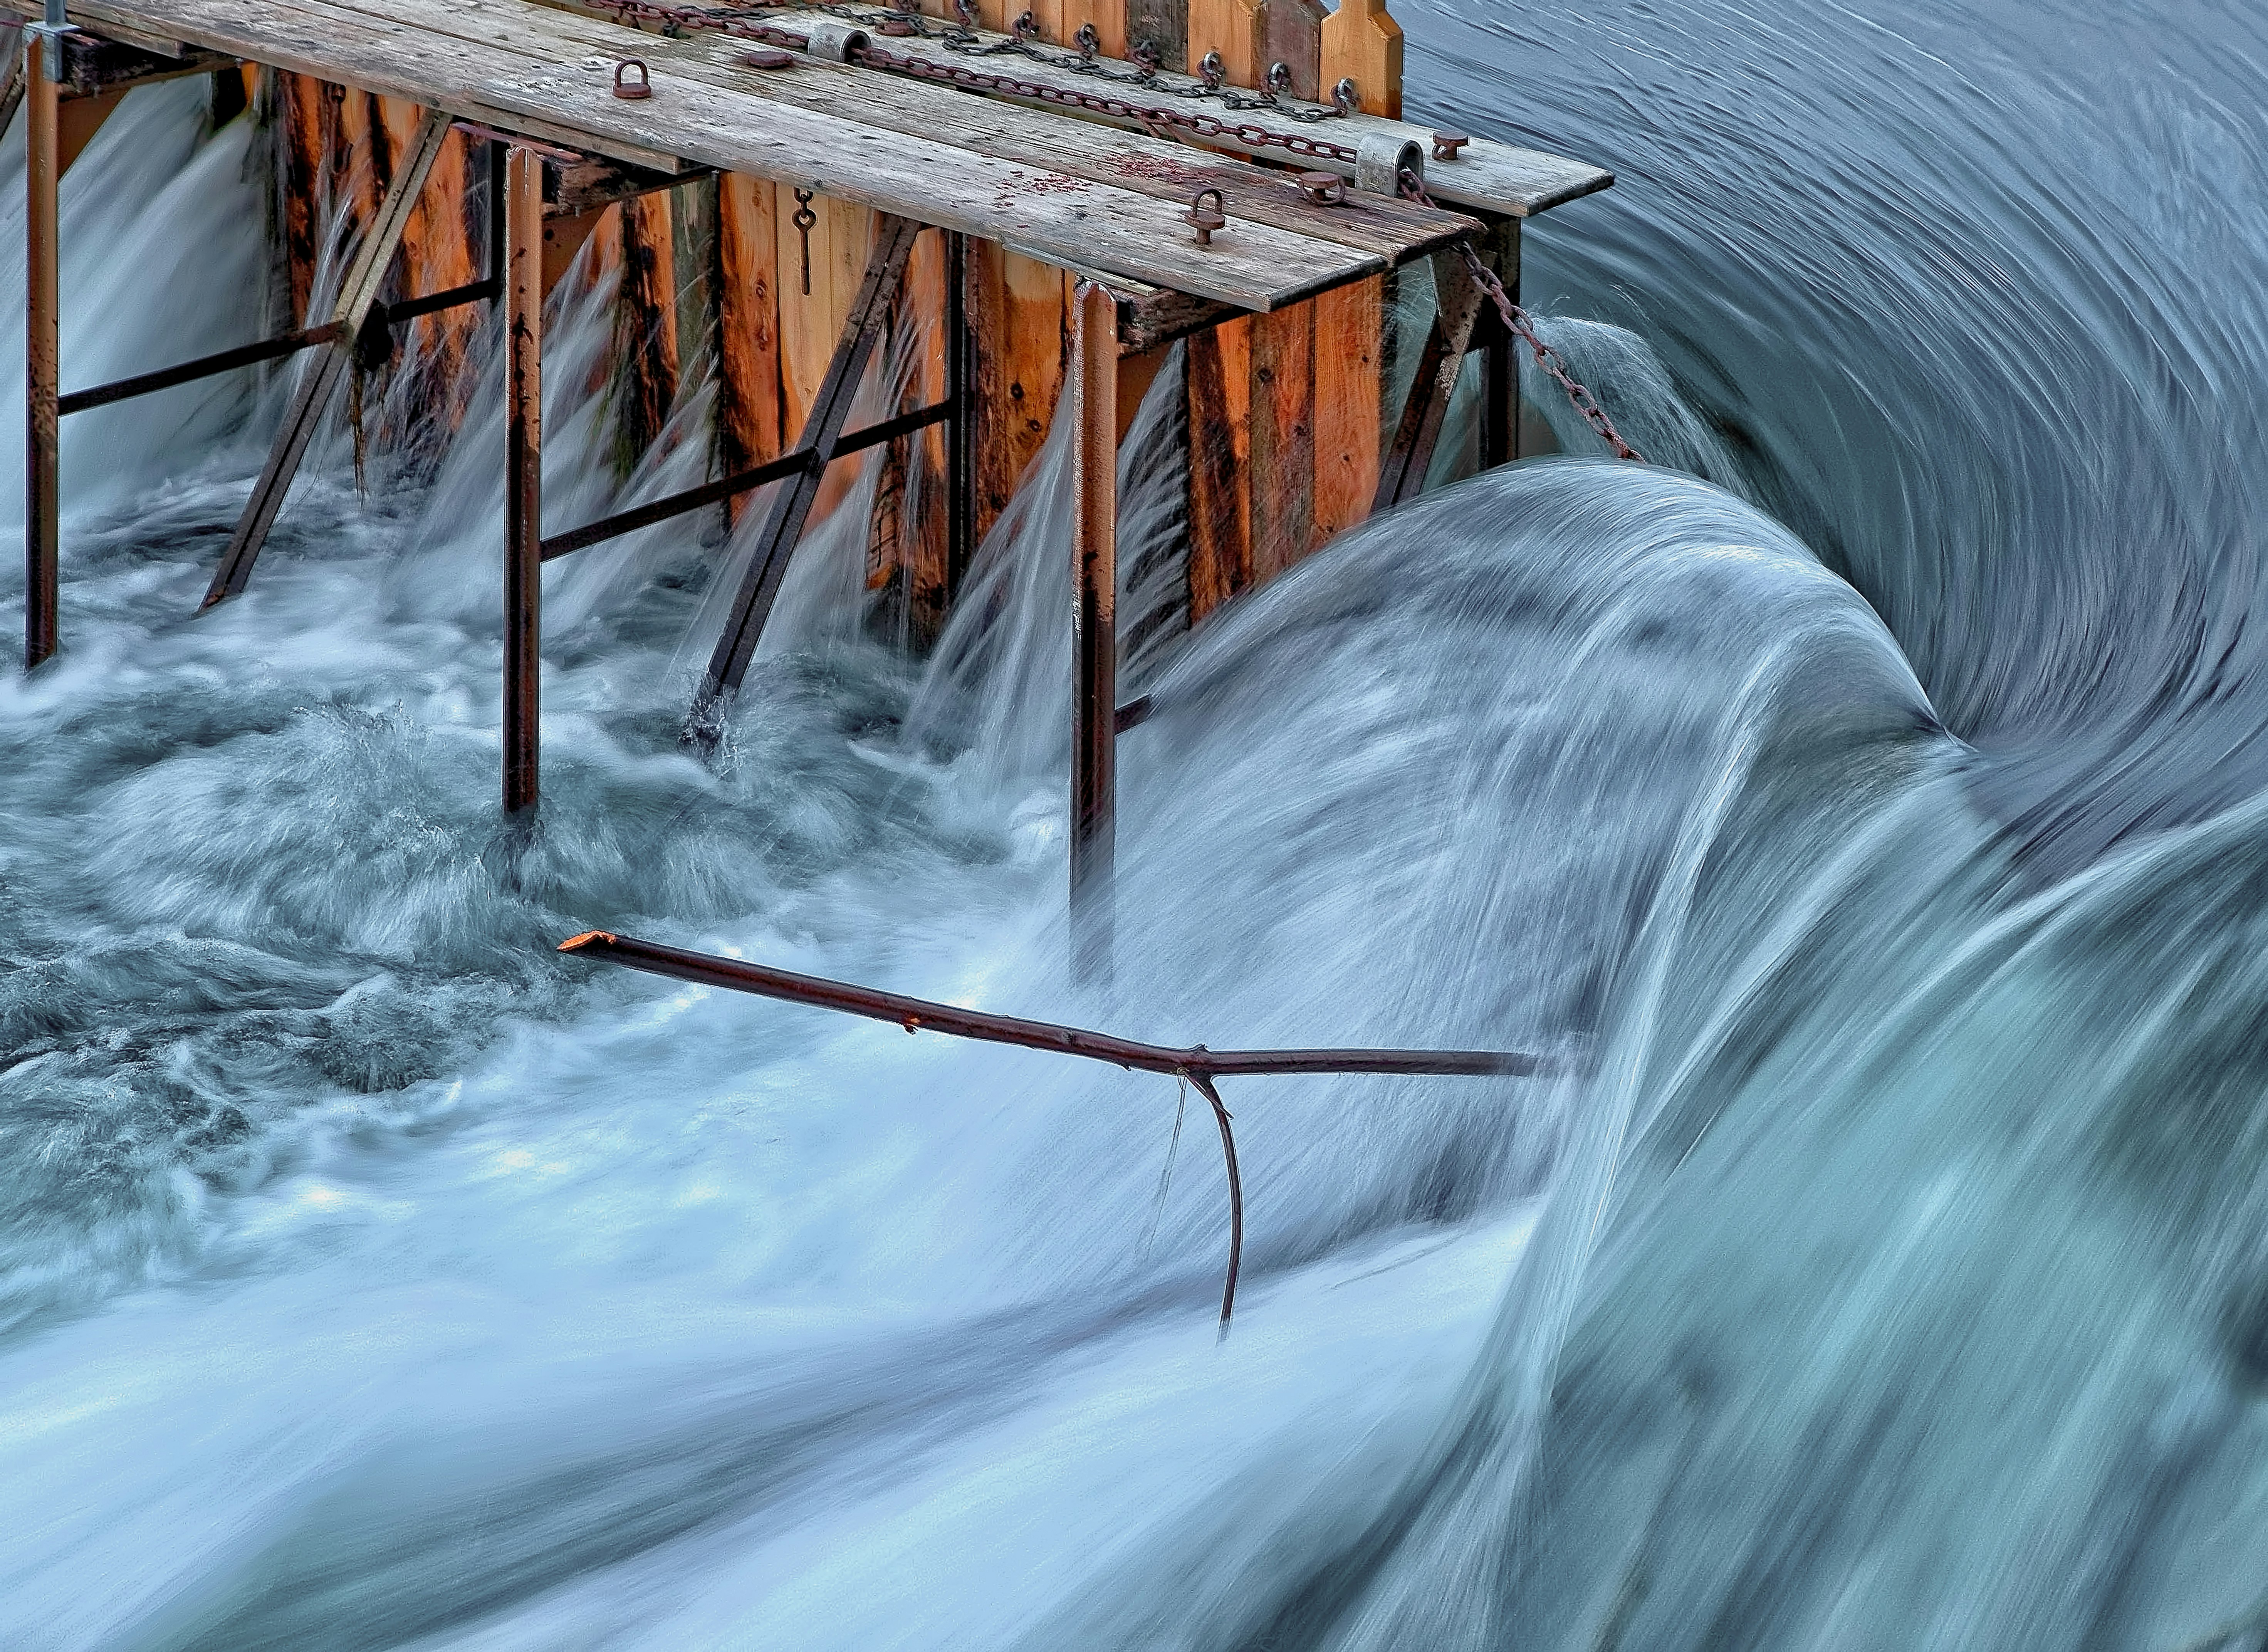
[(961, 430), (1094, 409), (1500, 360), (42, 347), (523, 508)]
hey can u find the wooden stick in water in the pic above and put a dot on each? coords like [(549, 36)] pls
[(1198, 1064)]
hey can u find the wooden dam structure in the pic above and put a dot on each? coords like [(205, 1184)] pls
[(1031, 207)]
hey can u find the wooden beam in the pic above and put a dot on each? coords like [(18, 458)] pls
[(1350, 329), (93, 66), (1290, 33), (1093, 408), (1362, 44), (523, 509), (1220, 433), (1457, 307), (356, 293), (42, 360), (749, 428), (1017, 307), (1282, 442), (893, 243)]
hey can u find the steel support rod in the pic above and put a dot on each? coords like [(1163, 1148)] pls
[(357, 294), (43, 353), (723, 487), (830, 410), (523, 486), (1094, 400), (1500, 357), (265, 349)]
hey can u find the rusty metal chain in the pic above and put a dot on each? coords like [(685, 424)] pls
[(1250, 134), (742, 22), (1522, 326)]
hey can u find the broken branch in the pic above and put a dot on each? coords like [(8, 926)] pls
[(1196, 1063)]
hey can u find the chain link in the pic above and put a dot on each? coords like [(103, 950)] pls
[(743, 22), (1522, 326)]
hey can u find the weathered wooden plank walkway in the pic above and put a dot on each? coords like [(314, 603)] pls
[(1092, 211)]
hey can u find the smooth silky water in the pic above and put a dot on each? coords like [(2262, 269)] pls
[(1868, 804)]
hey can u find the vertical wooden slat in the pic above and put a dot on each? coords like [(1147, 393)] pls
[(693, 241), (747, 322), (1230, 27), (645, 328), (1164, 25), (1017, 308), (1290, 33), (811, 325), (1350, 327), (1093, 408), (523, 531), (43, 352), (1219, 365), (437, 253), (307, 108), (1282, 464), (1362, 43), (922, 543)]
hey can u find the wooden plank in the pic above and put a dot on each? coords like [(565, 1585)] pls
[(1220, 527), (1017, 308), (1164, 26), (1230, 27), (783, 528), (42, 363), (1362, 44), (1350, 327), (1401, 476), (358, 291), (11, 79), (748, 320), (78, 120), (645, 353), (1395, 230), (1255, 266), (1281, 444), (1492, 177), (1095, 628), (523, 532), (1290, 33)]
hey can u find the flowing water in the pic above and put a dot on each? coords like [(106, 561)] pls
[(1868, 803)]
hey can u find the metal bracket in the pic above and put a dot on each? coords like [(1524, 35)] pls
[(50, 31), (1381, 158)]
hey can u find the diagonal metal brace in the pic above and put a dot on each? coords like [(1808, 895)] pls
[(1457, 308), (822, 433), (357, 295)]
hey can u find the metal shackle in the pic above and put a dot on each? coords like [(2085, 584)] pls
[(1380, 159), (832, 39)]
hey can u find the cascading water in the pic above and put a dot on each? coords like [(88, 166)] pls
[(1887, 1268)]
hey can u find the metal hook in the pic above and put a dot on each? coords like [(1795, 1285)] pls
[(642, 88), (1212, 70), (1346, 96), (1205, 219)]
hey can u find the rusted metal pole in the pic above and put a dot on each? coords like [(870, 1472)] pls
[(523, 508), (1095, 694), (42, 351)]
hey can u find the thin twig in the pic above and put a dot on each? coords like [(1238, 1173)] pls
[(1199, 1065)]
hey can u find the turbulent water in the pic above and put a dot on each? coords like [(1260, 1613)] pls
[(1867, 802)]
